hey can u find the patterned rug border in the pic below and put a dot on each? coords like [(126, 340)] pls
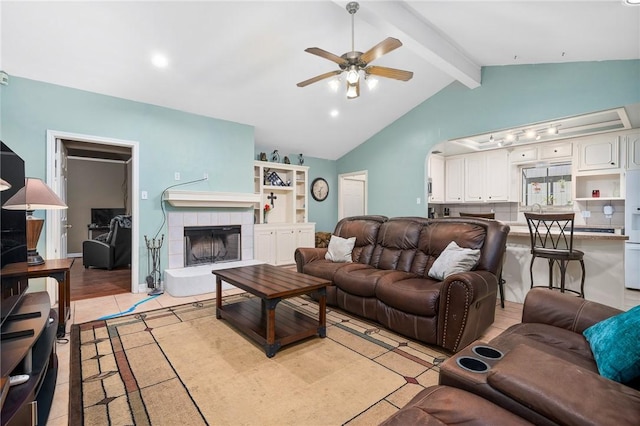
[(362, 328)]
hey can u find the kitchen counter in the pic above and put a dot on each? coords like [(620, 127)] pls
[(522, 230), (603, 260)]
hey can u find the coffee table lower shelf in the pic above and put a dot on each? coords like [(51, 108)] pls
[(251, 317)]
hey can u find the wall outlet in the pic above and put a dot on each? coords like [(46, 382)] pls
[(176, 176), (586, 213), (206, 176), (418, 200)]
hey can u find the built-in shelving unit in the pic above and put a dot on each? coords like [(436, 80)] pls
[(285, 227)]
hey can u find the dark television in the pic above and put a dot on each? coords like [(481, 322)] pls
[(13, 234), (102, 217)]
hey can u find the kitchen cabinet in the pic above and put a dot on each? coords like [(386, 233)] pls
[(454, 179), (552, 151), (598, 153), (487, 176), (276, 244), (524, 155), (436, 178), (633, 151)]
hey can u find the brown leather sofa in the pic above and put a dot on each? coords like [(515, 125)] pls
[(546, 373), (388, 280)]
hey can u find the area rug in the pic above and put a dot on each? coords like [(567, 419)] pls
[(182, 366)]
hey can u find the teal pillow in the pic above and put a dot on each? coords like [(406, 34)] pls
[(615, 343)]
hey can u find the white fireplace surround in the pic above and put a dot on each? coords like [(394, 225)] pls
[(189, 281)]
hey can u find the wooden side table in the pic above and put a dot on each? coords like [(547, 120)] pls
[(58, 269)]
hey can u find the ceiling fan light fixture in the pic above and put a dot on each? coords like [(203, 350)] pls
[(353, 90), (353, 75)]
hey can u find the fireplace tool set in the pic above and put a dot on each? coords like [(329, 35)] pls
[(154, 279)]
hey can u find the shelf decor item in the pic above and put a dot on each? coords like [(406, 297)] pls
[(275, 156), (300, 159), (274, 179), (34, 195), (266, 209)]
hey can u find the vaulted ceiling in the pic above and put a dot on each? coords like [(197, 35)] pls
[(241, 60)]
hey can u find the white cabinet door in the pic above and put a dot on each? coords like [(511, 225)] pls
[(553, 151), (305, 236), (524, 155), (497, 175), (436, 174), (285, 246), (599, 153), (264, 242), (474, 179), (454, 180), (633, 152)]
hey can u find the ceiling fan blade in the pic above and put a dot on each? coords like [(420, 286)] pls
[(327, 55), (318, 78), (389, 73), (384, 47)]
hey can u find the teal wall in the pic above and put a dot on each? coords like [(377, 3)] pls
[(509, 96), (169, 141)]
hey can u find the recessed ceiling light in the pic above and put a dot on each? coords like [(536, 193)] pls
[(160, 60), (334, 113)]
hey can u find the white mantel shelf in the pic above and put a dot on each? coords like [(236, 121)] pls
[(211, 199)]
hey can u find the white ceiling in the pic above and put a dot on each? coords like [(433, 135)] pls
[(240, 60)]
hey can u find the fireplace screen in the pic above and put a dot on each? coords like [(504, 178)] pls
[(211, 244)]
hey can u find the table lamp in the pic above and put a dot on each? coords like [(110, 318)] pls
[(34, 195)]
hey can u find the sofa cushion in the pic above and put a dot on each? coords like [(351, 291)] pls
[(322, 268), (358, 279), (436, 236), (340, 249), (452, 260), (615, 343), (396, 244), (410, 294), (365, 229), (559, 342)]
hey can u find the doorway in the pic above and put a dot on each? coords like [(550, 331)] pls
[(352, 194), (60, 147)]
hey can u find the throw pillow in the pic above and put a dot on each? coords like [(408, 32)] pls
[(340, 249), (452, 260), (615, 343)]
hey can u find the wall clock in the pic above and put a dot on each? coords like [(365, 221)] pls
[(319, 189)]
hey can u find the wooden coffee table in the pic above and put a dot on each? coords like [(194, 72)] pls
[(257, 317)]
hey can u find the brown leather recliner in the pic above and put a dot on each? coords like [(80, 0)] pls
[(547, 373), (388, 280)]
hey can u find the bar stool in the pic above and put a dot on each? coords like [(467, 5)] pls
[(501, 282), (552, 239)]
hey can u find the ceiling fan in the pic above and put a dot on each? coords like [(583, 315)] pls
[(353, 62)]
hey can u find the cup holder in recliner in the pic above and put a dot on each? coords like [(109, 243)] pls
[(474, 365), (487, 352)]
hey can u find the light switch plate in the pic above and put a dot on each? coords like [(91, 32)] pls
[(586, 213), (144, 195)]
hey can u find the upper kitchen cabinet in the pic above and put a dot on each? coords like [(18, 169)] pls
[(436, 179), (542, 152), (487, 176), (599, 153), (633, 151), (454, 180)]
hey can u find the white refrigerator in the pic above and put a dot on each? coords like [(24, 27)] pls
[(632, 230)]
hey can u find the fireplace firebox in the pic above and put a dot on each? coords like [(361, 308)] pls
[(212, 244)]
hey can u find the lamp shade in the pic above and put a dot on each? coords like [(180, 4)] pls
[(34, 195), (4, 185)]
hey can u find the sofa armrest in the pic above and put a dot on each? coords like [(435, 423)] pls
[(96, 253), (466, 308), (304, 255), (562, 391), (563, 310)]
